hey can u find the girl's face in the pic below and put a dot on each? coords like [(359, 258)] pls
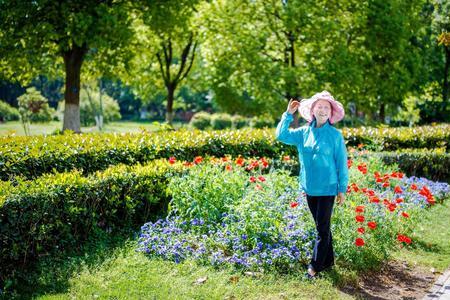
[(322, 111)]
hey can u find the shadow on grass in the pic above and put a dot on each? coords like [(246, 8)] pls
[(51, 274)]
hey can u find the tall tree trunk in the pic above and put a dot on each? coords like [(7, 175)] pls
[(73, 59), (170, 97), (382, 112), (445, 87)]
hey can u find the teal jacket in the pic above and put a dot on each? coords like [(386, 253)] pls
[(322, 156)]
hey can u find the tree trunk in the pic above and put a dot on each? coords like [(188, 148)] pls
[(445, 87), (170, 97), (382, 112), (73, 59)]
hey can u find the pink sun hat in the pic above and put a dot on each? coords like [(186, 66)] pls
[(306, 105)]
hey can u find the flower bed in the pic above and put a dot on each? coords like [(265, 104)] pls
[(254, 218)]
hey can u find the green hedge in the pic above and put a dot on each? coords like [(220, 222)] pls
[(31, 157), (60, 211), (391, 139)]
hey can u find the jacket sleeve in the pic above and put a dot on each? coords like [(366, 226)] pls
[(341, 164), (286, 135)]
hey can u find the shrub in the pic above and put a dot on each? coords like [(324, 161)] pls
[(262, 122), (221, 121), (240, 122), (8, 113), (201, 120)]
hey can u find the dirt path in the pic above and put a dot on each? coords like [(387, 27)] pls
[(396, 280)]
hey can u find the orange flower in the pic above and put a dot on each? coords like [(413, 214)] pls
[(240, 161), (360, 146), (228, 167), (286, 158), (198, 159), (258, 186), (188, 164)]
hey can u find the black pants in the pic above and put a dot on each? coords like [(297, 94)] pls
[(321, 208)]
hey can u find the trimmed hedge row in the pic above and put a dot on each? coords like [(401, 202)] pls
[(60, 211), (31, 157)]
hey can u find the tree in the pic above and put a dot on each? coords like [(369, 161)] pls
[(441, 26), (165, 51), (393, 61), (47, 37)]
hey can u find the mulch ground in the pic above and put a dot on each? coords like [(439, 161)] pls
[(396, 280)]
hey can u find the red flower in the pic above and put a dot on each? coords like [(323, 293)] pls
[(225, 159), (286, 158), (405, 214), (392, 206), (364, 190), (377, 174), (359, 209), (354, 186), (370, 193), (258, 186), (374, 199), (403, 238), (359, 242), (359, 219), (413, 187), (240, 161), (252, 179), (349, 163), (379, 180), (294, 204), (399, 200), (261, 178), (228, 167), (386, 202), (386, 184), (172, 160), (372, 225), (361, 230), (264, 162), (398, 190), (188, 164), (198, 159), (362, 168)]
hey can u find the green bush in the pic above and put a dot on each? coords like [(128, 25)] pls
[(262, 121), (201, 120), (56, 212), (8, 113), (221, 121), (240, 122), (34, 108), (90, 107), (33, 156)]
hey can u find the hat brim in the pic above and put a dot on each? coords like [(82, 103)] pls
[(337, 109)]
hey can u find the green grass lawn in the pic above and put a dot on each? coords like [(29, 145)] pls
[(49, 128), (116, 271)]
